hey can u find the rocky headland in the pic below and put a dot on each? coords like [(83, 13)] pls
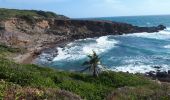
[(35, 34)]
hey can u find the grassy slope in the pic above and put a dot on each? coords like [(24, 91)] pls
[(82, 84), (13, 13)]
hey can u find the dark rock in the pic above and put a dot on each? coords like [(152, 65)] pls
[(2, 28), (168, 71), (151, 73), (161, 74), (78, 29), (161, 27)]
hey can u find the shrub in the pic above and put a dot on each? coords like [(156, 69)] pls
[(85, 85), (14, 13), (30, 19)]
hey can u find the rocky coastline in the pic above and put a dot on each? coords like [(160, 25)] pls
[(28, 35), (45, 33)]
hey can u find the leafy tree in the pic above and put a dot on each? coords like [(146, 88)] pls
[(92, 64)]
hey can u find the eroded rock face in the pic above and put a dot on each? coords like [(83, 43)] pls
[(41, 33), (43, 29), (71, 29), (44, 24), (83, 28), (23, 26)]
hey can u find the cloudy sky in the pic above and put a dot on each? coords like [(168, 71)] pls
[(93, 8)]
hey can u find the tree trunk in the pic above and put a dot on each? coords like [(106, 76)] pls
[(94, 71)]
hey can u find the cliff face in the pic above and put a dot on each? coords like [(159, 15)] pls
[(84, 28), (21, 32), (37, 34)]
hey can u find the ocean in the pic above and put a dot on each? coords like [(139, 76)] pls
[(134, 53)]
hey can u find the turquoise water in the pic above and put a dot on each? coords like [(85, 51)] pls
[(136, 52), (140, 20)]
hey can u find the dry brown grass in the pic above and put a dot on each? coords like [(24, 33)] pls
[(154, 92), (11, 91)]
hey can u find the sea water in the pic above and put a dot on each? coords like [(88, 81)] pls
[(134, 53)]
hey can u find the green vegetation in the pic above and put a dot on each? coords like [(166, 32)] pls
[(82, 84), (6, 50), (23, 79), (150, 92), (14, 13), (92, 64), (10, 91)]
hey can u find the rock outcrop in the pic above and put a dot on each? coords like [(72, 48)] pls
[(19, 31), (43, 32), (76, 29)]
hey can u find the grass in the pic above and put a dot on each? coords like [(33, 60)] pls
[(82, 84), (11, 91), (150, 92), (14, 13), (6, 50), (48, 81)]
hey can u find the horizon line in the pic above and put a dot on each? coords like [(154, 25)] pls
[(119, 16)]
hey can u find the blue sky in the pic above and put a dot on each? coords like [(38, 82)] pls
[(93, 8)]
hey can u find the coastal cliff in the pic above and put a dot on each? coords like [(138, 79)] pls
[(42, 29), (20, 32)]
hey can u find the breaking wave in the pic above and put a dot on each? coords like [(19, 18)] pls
[(134, 53), (165, 34), (81, 48)]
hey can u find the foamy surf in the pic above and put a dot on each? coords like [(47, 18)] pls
[(165, 34), (78, 50), (138, 68), (167, 46)]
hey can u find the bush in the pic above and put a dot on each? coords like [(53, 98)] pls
[(14, 13), (30, 19), (160, 92), (86, 86), (4, 48)]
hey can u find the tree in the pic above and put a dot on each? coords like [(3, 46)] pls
[(92, 64)]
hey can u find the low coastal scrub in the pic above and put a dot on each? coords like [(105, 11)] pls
[(5, 51), (4, 48), (10, 91), (86, 86), (14, 13), (150, 92)]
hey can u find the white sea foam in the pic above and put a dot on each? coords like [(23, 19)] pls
[(167, 46), (167, 29), (102, 44), (76, 51), (140, 64), (164, 34), (137, 68)]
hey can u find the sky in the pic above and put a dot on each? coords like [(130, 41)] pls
[(93, 8)]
